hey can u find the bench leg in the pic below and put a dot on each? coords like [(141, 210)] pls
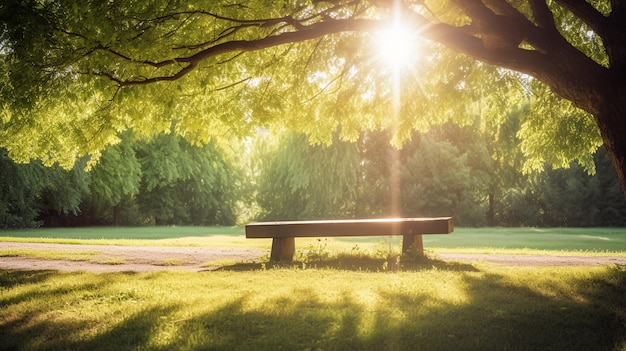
[(412, 244), (283, 249)]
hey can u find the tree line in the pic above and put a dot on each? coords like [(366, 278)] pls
[(164, 181), (449, 171), (470, 172)]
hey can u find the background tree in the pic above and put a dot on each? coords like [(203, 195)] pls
[(298, 180), (116, 176), (435, 176), (213, 187), (186, 184), (435, 179), (571, 198), (504, 149), (62, 192), (378, 159), (163, 165), (20, 185), (31, 194)]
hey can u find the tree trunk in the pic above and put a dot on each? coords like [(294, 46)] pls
[(491, 217), (116, 215), (612, 123)]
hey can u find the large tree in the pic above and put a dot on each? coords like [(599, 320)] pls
[(76, 73)]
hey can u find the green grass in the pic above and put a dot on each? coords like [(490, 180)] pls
[(171, 262), (553, 239), (112, 233), (440, 307), (589, 239), (86, 255), (519, 240), (341, 294)]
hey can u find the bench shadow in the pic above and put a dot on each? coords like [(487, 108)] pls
[(360, 263)]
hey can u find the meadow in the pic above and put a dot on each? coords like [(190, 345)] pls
[(428, 305), (591, 240)]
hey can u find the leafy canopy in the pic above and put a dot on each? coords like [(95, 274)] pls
[(78, 73)]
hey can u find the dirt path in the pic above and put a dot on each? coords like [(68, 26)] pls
[(111, 258)]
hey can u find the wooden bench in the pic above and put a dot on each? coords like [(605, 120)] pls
[(283, 234)]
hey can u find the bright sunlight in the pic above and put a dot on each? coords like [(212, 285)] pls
[(395, 50), (396, 46)]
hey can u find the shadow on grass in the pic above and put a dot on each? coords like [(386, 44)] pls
[(493, 312), (8, 280), (361, 263)]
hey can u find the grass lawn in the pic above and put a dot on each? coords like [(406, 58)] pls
[(519, 240), (121, 233), (431, 305), (447, 307)]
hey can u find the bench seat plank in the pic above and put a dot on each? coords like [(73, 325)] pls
[(283, 233), (351, 227)]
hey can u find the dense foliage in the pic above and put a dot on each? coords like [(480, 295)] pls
[(28, 192), (448, 171), (76, 74), (162, 181), (299, 180), (78, 77)]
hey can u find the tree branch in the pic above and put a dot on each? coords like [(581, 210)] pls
[(542, 14), (190, 62), (545, 36), (495, 39), (512, 58), (587, 13), (560, 67)]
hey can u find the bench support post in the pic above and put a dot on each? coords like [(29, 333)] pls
[(413, 244), (283, 249)]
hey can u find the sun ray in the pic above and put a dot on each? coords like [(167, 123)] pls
[(396, 49)]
